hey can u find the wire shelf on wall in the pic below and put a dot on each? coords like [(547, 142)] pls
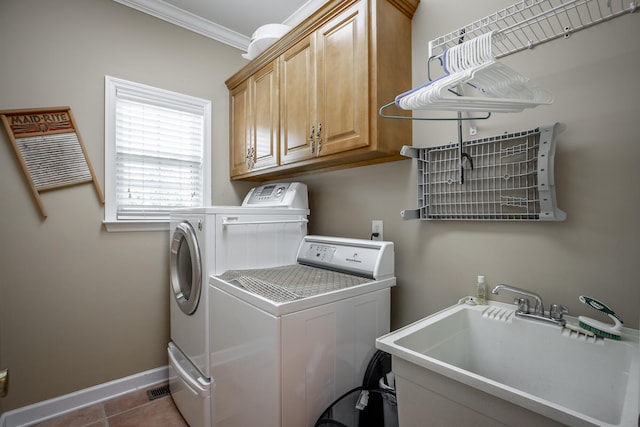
[(531, 22), (505, 178)]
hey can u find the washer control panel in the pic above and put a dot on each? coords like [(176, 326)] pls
[(320, 253), (284, 194), (373, 259)]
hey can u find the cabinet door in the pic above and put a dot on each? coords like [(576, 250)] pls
[(342, 81), (240, 142), (297, 101), (265, 116), (254, 123)]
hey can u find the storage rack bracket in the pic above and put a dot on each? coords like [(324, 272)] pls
[(509, 177)]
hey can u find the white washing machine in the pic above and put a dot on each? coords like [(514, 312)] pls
[(287, 341), (265, 231)]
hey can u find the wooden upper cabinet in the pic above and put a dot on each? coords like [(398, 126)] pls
[(323, 90), (240, 146), (254, 125), (327, 79), (297, 101), (342, 83), (265, 116)]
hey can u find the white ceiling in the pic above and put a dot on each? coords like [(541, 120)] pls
[(228, 21)]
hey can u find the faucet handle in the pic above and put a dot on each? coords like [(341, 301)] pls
[(522, 303), (556, 311)]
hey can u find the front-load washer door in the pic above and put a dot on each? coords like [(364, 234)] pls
[(185, 265)]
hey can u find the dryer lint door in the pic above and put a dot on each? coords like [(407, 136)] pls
[(185, 266)]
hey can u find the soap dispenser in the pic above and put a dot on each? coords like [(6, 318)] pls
[(481, 291)]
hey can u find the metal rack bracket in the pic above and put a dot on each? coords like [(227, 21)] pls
[(512, 179)]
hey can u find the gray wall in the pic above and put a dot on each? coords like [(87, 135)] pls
[(594, 78), (79, 306)]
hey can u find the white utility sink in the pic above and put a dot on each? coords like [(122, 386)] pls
[(482, 365)]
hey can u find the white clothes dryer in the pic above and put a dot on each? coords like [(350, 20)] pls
[(264, 232)]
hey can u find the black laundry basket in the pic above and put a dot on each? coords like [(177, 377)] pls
[(373, 404)]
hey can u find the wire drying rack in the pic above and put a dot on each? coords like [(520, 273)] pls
[(528, 23), (505, 178), (291, 282)]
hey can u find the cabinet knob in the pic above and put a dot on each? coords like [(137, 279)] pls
[(312, 142), (249, 158), (318, 138)]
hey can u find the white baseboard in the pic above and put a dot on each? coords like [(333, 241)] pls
[(41, 411)]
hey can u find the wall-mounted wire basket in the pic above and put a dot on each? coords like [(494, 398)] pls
[(528, 23), (508, 177)]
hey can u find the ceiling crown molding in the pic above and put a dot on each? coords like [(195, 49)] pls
[(174, 15)]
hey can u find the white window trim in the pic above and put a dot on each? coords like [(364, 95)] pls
[(117, 87)]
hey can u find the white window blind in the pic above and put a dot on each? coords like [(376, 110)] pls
[(158, 152)]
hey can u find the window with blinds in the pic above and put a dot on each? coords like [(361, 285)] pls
[(157, 157)]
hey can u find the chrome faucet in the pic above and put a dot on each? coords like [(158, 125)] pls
[(555, 314), (539, 307)]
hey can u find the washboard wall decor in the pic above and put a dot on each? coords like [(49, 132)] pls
[(508, 177), (50, 150)]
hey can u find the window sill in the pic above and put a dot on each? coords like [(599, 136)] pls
[(117, 226)]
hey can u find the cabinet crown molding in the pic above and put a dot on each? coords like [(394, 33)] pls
[(306, 27)]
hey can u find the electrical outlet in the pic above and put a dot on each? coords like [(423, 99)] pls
[(376, 229)]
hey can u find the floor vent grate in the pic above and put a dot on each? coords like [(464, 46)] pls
[(159, 392)]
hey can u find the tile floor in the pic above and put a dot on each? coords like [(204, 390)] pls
[(130, 410)]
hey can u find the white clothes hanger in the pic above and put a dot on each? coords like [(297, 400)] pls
[(473, 64)]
